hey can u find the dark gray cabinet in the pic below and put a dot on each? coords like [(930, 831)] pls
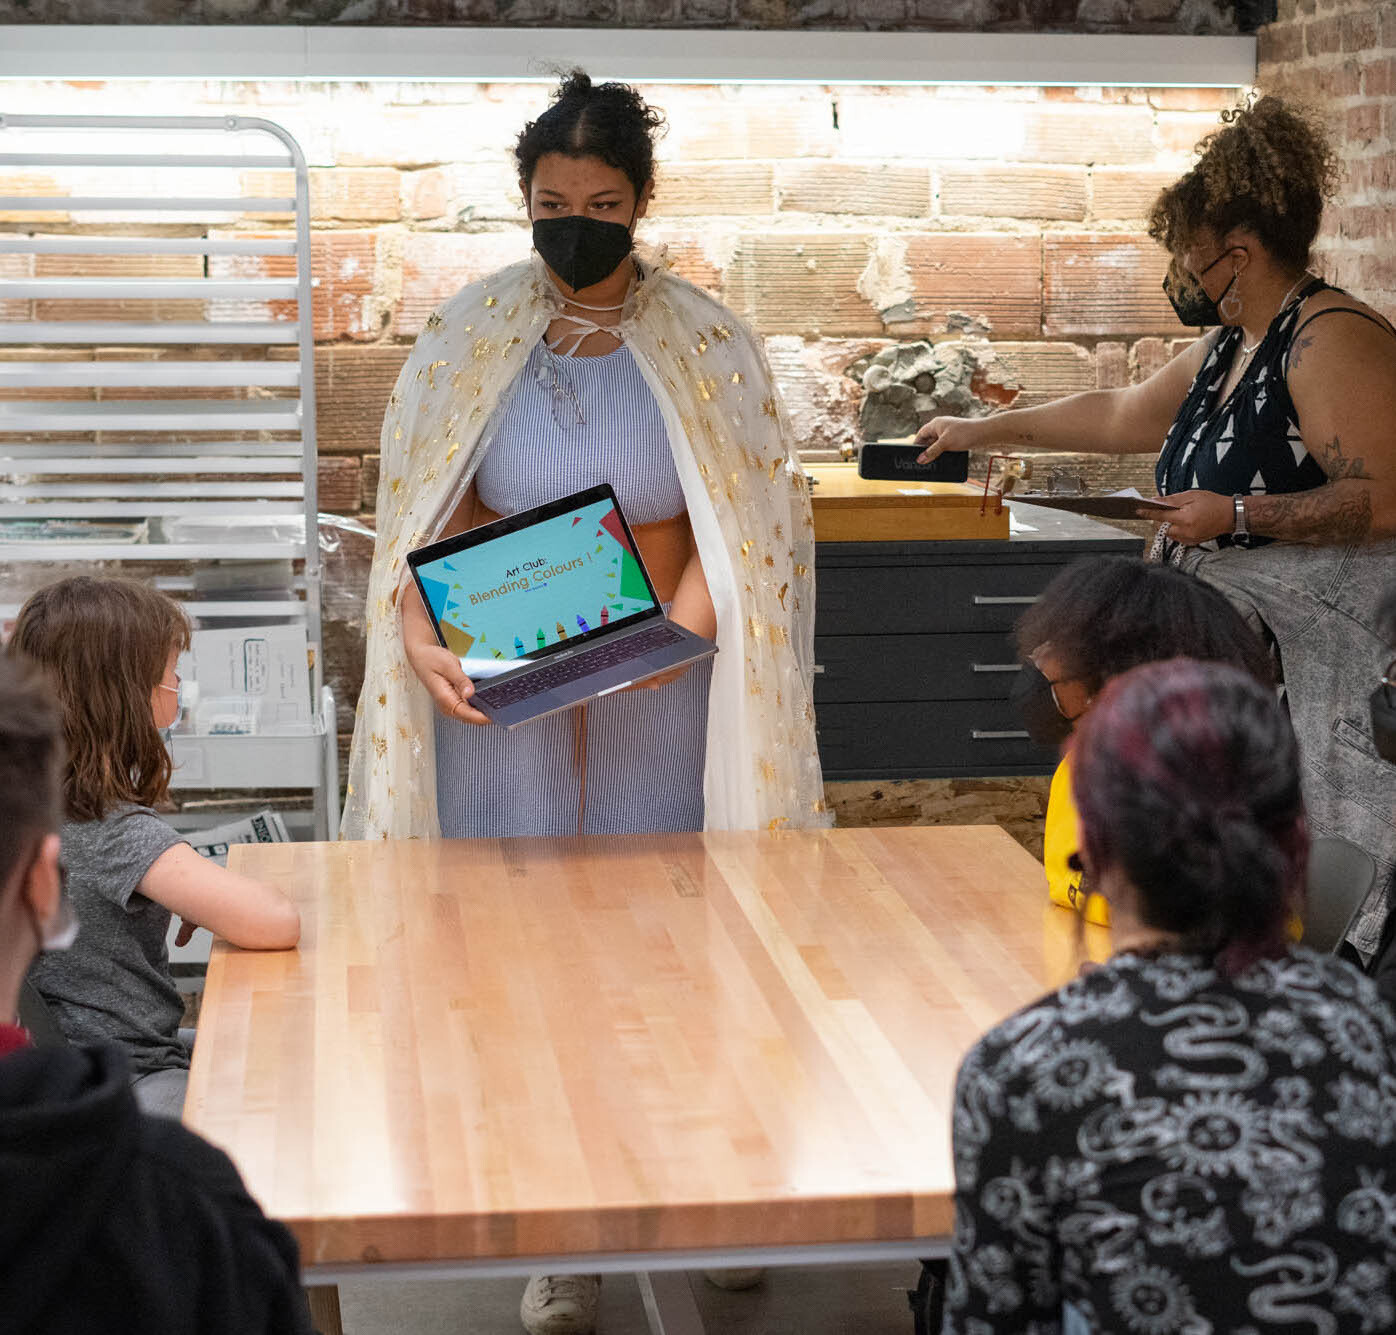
[(914, 652)]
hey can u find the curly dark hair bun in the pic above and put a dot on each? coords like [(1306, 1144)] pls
[(610, 121), (1269, 168)]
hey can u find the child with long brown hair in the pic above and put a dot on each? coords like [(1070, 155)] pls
[(109, 648)]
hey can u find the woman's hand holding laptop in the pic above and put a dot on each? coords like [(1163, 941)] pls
[(438, 669)]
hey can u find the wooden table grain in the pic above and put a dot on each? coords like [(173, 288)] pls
[(541, 1048)]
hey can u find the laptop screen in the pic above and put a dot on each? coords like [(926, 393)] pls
[(539, 585)]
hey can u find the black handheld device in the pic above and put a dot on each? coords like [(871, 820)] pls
[(897, 463)]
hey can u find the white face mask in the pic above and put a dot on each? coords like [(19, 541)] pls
[(63, 930)]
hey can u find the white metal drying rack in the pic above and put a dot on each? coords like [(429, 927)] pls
[(196, 460)]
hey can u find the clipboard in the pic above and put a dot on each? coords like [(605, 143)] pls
[(1101, 507)]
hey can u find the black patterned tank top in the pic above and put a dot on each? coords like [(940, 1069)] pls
[(1250, 443)]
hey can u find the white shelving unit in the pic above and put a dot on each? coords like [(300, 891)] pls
[(190, 430)]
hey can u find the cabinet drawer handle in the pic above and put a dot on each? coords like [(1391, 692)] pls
[(1017, 600), (995, 667), (979, 735)]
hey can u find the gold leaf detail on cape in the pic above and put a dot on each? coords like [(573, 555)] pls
[(775, 468), (738, 378), (779, 532), (433, 322), (451, 453), (481, 349), (382, 700), (784, 589), (380, 745), (510, 313), (770, 560), (430, 475), (746, 549), (431, 373), (349, 790), (393, 399), (395, 485), (701, 346), (754, 628), (397, 435), (491, 301), (722, 333), (801, 571), (769, 406)]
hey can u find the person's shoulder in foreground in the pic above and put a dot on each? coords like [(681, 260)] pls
[(117, 1221)]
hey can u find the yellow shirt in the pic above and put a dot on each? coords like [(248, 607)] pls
[(1060, 839)]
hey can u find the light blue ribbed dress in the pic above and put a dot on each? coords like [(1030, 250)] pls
[(644, 749)]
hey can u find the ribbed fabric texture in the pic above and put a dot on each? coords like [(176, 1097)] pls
[(645, 749)]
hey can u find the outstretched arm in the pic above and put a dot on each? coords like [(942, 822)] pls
[(1130, 420)]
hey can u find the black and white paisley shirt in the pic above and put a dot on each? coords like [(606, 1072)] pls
[(1158, 1149)]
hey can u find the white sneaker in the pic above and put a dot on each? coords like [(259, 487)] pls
[(560, 1304), (744, 1277)]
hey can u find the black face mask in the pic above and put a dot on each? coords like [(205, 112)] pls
[(1384, 724), (1032, 697), (581, 250), (1190, 301)]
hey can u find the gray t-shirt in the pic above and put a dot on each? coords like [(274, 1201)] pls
[(114, 985)]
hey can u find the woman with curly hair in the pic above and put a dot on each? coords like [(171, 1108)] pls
[(1277, 454), (1275, 425)]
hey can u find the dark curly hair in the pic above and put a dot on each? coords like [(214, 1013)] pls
[(1269, 168), (1105, 615), (610, 121), (1186, 778)]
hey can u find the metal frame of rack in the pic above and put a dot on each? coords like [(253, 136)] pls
[(197, 458)]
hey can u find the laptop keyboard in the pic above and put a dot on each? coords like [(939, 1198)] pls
[(526, 686)]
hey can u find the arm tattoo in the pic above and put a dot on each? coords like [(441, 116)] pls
[(1334, 515), (1296, 354), (1336, 465)]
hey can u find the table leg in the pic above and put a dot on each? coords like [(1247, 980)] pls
[(324, 1308), (669, 1303)]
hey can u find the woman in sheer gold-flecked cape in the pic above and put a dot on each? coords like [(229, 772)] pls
[(748, 503)]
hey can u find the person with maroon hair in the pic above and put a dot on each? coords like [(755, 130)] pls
[(1198, 1134)]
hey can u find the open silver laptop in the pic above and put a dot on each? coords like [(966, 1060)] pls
[(550, 607)]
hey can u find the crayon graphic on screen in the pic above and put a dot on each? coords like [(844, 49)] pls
[(605, 614), (561, 631), (518, 646), (542, 639), (581, 623)]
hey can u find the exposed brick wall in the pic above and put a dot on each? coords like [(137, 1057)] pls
[(1190, 16), (837, 221), (1340, 56)]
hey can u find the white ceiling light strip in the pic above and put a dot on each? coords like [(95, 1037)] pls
[(678, 55)]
